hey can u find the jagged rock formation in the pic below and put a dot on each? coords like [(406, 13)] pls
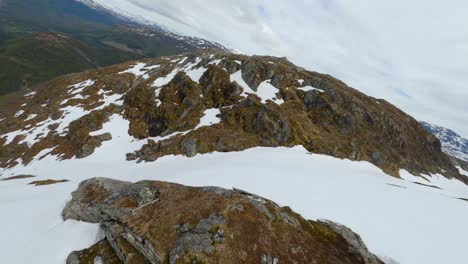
[(159, 222), (217, 101)]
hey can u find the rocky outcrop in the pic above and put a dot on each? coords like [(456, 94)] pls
[(159, 222), (262, 101)]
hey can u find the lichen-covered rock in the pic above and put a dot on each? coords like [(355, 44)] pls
[(159, 222), (357, 246), (101, 252)]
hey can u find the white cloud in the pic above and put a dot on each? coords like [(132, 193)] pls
[(411, 53)]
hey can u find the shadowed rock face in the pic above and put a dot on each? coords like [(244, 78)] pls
[(262, 101), (159, 222)]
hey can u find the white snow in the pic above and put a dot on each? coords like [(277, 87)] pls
[(196, 74), (76, 96), (266, 92), (209, 118), (140, 69), (183, 60), (410, 223), (161, 81), (40, 130), (136, 69), (107, 100), (152, 67), (79, 87), (310, 88), (30, 94), (301, 81), (70, 114), (48, 239), (190, 69), (9, 137), (449, 187), (216, 62), (237, 77), (462, 171), (121, 143), (20, 112), (30, 117)]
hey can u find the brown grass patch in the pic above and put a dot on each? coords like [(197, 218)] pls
[(18, 177), (46, 182)]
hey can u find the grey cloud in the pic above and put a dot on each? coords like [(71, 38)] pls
[(383, 48)]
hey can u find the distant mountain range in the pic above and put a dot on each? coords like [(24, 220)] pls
[(452, 143), (40, 40)]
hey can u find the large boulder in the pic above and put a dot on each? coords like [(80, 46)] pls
[(160, 222)]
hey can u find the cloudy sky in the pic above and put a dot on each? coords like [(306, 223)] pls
[(411, 53)]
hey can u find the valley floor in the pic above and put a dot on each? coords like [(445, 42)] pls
[(408, 222)]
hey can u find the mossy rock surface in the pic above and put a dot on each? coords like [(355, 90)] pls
[(160, 222)]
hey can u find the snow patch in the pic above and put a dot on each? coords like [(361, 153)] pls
[(266, 92), (140, 69), (161, 81), (31, 135), (310, 88), (215, 62), (30, 94), (20, 112), (237, 77), (356, 194), (30, 117), (79, 87), (76, 97), (449, 187), (209, 118), (183, 60), (462, 171), (196, 74)]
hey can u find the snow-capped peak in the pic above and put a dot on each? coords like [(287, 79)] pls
[(452, 143)]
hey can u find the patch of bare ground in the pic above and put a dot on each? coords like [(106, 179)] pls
[(18, 177), (46, 182)]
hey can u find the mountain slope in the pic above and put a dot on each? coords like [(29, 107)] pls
[(37, 57), (452, 143), (106, 37), (216, 101), (215, 118)]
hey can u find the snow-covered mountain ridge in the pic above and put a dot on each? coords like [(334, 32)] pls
[(217, 101), (214, 118), (452, 143)]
